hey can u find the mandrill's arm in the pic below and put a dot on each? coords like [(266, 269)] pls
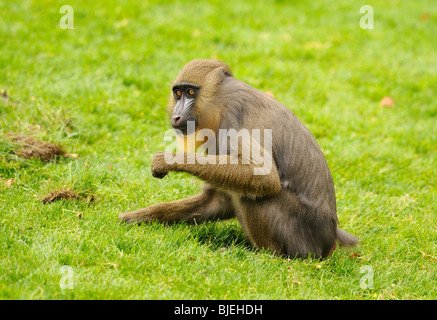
[(220, 172)]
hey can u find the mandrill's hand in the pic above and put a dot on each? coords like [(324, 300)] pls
[(159, 167)]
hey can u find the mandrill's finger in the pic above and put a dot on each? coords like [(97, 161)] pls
[(159, 174)]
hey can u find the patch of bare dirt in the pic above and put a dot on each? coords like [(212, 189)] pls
[(67, 195), (30, 147)]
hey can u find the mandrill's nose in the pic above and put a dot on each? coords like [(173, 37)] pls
[(176, 121)]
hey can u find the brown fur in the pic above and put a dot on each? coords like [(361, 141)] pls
[(291, 210)]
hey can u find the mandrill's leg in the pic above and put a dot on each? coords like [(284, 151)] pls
[(210, 204)]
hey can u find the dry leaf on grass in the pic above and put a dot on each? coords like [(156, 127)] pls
[(5, 96), (387, 102), (9, 183)]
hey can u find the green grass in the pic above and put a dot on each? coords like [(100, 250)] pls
[(100, 90)]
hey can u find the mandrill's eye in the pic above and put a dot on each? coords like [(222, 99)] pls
[(191, 92), (177, 94)]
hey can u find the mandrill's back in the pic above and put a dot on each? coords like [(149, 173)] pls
[(302, 167), (306, 203)]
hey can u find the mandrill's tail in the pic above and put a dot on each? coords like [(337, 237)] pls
[(346, 239)]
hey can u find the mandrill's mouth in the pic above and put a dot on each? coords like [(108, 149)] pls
[(185, 127)]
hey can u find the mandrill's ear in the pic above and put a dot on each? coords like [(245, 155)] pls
[(213, 80)]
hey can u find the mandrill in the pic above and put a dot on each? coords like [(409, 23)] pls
[(287, 205)]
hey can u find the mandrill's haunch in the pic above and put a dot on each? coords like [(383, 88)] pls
[(289, 208)]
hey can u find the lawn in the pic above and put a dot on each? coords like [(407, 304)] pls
[(100, 91)]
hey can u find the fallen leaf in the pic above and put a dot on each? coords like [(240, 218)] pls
[(424, 16), (5, 96), (71, 155), (387, 102), (9, 183)]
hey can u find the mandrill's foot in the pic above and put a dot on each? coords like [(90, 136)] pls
[(135, 216)]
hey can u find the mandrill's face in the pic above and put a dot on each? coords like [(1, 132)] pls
[(183, 112), (194, 101)]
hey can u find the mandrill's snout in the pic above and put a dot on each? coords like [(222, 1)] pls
[(176, 121), (183, 118)]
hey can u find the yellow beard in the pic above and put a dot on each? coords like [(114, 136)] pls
[(187, 143)]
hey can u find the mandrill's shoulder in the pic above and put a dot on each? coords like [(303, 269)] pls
[(263, 110), (238, 94)]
